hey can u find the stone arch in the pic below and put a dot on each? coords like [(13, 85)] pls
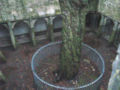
[(3, 31), (108, 28), (57, 22), (117, 36), (21, 28), (40, 25), (93, 19)]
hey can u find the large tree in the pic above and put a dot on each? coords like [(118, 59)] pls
[(74, 14)]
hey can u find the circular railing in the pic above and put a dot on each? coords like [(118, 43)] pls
[(53, 49)]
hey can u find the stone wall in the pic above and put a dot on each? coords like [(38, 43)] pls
[(104, 26), (110, 30), (19, 9), (22, 31), (110, 11), (110, 8), (13, 10)]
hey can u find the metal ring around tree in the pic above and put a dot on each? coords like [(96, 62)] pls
[(53, 49)]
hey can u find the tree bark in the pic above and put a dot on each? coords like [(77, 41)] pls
[(74, 16)]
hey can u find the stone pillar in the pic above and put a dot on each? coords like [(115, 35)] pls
[(114, 82), (2, 77), (2, 56)]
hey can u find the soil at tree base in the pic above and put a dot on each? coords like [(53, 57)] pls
[(88, 72)]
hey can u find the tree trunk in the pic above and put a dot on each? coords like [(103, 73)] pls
[(72, 33)]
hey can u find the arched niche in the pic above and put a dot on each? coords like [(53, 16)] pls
[(93, 19), (108, 28), (3, 31), (57, 22), (88, 16), (40, 25), (117, 37), (21, 28)]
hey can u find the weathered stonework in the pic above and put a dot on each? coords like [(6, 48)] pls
[(27, 11), (12, 10), (110, 8)]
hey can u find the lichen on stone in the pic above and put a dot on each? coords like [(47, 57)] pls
[(110, 8), (12, 10)]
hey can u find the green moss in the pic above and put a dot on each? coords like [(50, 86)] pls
[(57, 12), (110, 8), (12, 10), (73, 23), (2, 56)]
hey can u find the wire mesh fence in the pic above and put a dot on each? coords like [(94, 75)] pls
[(53, 49)]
